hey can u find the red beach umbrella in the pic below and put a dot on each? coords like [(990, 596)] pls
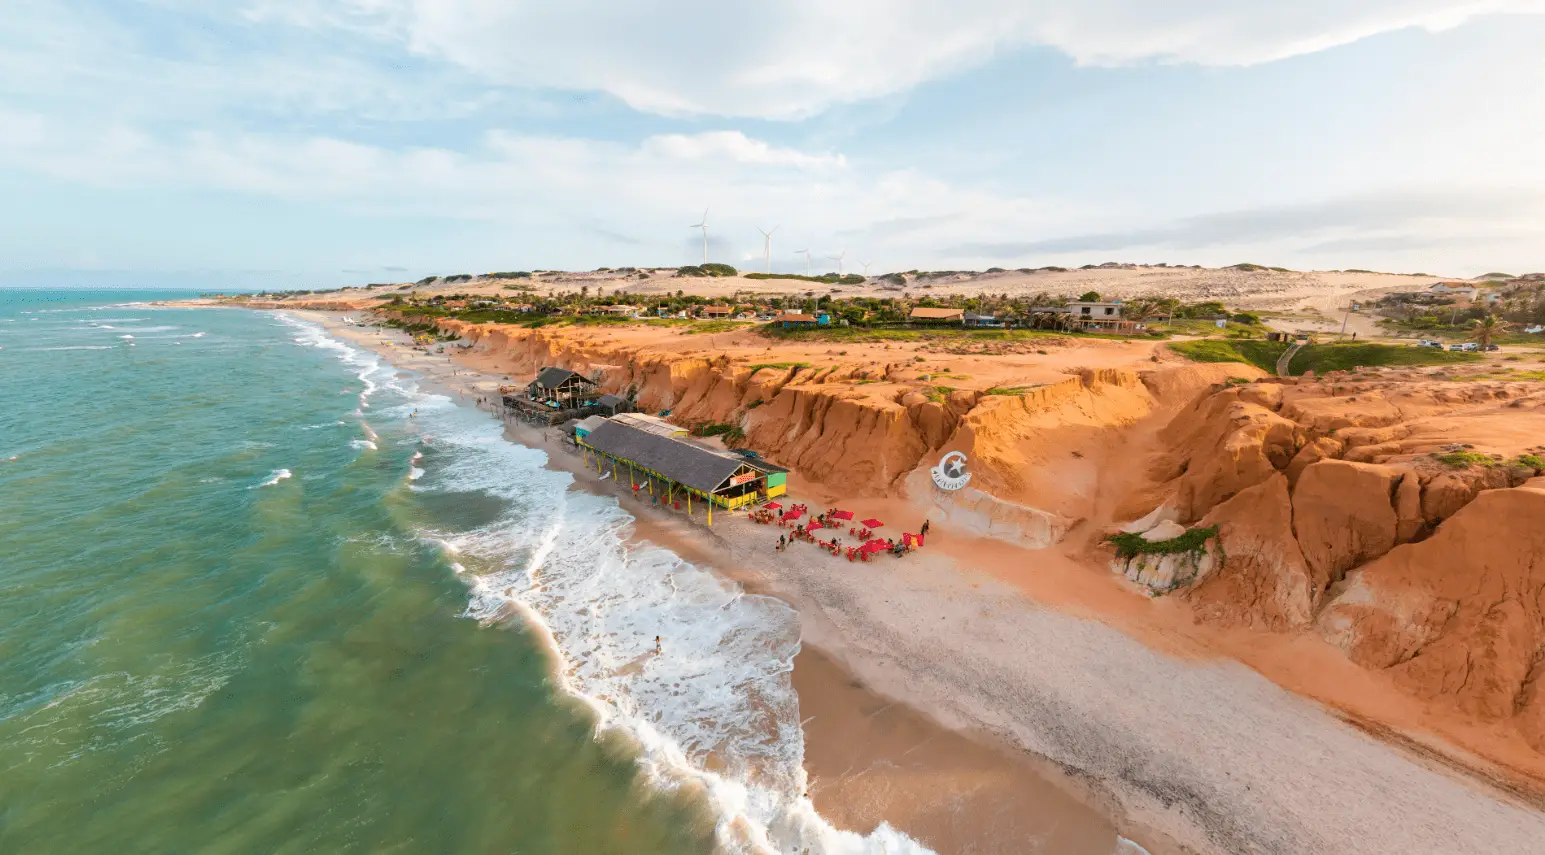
[(842, 515), (873, 524), (814, 524), (772, 506)]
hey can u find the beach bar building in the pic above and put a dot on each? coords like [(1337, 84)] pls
[(562, 389), (555, 396), (675, 469)]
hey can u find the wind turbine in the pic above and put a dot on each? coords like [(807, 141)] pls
[(838, 258), (704, 226), (866, 268), (767, 244), (807, 259)]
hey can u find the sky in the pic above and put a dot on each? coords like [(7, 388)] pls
[(317, 143)]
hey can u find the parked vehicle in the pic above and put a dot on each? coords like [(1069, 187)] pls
[(1456, 347), (1428, 342), (1491, 347)]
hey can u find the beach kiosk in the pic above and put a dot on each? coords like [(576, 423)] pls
[(675, 466)]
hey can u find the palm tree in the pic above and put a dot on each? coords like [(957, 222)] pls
[(1487, 328)]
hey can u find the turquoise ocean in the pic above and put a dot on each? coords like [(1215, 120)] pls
[(261, 591)]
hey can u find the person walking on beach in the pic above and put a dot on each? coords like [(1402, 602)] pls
[(657, 645), (924, 530)]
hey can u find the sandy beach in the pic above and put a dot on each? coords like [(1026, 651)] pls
[(1052, 702)]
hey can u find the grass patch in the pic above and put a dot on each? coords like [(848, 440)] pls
[(780, 366), (1465, 459), (1014, 391), (1133, 545), (1261, 354), (1529, 461), (717, 326), (732, 434), (1319, 358)]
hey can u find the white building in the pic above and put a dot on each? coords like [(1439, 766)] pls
[(1454, 289)]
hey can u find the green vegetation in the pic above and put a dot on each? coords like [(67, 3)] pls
[(1529, 461), (509, 274), (1318, 358), (732, 434), (779, 366), (1013, 391), (1089, 297), (1346, 356), (711, 269), (1465, 459), (717, 326), (1133, 545), (1261, 354)]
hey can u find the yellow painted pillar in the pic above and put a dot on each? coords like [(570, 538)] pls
[(689, 503), (710, 512), (614, 468)]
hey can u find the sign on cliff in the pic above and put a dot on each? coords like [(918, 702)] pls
[(951, 472)]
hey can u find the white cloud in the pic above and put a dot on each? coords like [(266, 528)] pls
[(794, 58)]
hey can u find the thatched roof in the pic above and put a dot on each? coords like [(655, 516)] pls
[(552, 378), (683, 462)]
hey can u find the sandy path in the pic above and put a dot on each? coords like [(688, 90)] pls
[(1212, 755)]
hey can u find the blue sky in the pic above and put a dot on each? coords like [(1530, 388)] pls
[(324, 142)]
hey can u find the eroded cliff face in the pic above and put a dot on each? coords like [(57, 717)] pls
[(876, 428), (1399, 518)]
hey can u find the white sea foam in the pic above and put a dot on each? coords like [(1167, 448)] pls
[(369, 365), (559, 558), (74, 347), (363, 444), (275, 477), (126, 336), (721, 686)]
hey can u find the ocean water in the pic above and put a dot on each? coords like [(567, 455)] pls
[(262, 592)]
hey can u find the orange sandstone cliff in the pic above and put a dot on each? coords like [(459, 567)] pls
[(1389, 513)]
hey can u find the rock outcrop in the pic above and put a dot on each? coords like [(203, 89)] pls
[(1461, 615)]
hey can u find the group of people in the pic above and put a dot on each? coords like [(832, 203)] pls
[(854, 553)]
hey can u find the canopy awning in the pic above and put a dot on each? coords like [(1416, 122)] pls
[(875, 546)]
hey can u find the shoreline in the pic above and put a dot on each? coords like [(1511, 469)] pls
[(1118, 718)]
